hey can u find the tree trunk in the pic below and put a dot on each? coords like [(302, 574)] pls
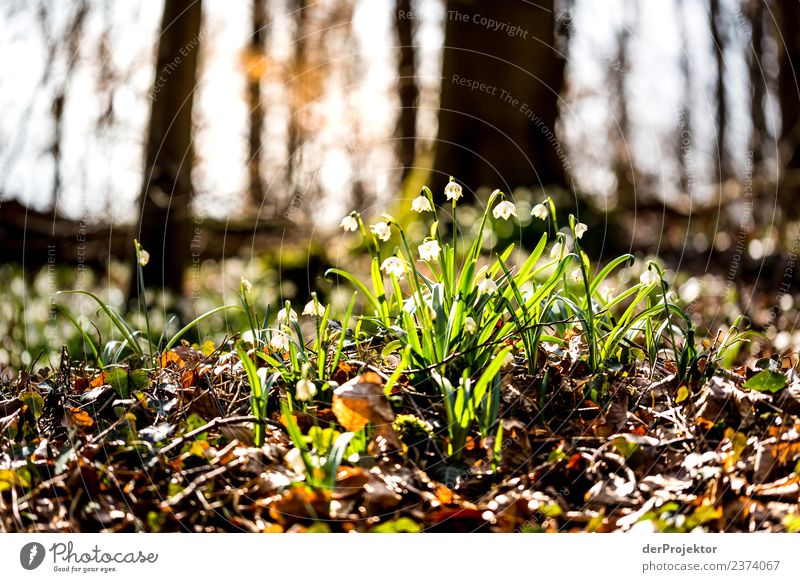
[(684, 151), (166, 194), (624, 158), (406, 131), (299, 97), (502, 79), (758, 82), (254, 73), (718, 36), (788, 42)]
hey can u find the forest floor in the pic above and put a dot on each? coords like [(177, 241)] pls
[(172, 450)]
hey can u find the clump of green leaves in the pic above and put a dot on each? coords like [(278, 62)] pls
[(455, 315)]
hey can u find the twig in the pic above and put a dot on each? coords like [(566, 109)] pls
[(202, 479), (217, 422)]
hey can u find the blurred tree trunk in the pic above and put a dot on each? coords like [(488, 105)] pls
[(718, 36), (407, 90), (504, 133), (624, 157), (299, 97), (788, 41), (683, 139), (758, 81), (254, 72), (166, 194)]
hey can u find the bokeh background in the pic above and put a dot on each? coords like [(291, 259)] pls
[(231, 137)]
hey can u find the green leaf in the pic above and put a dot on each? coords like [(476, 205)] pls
[(34, 401), (115, 318), (335, 457), (194, 322), (401, 525), (257, 405), (766, 381), (118, 379)]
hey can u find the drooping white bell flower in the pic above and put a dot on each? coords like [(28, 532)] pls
[(453, 191), (487, 286), (470, 326), (315, 308), (421, 204), (526, 290), (580, 229), (349, 223), (381, 230), (394, 266), (540, 211), (649, 277), (558, 250), (504, 210), (279, 342), (285, 317), (305, 390), (429, 251)]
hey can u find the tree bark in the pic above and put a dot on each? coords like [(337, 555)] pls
[(254, 73), (718, 36), (788, 41), (500, 96), (166, 195), (758, 82), (624, 157), (407, 91), (683, 139)]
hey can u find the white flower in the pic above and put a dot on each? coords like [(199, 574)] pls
[(431, 310), (557, 252), (429, 251), (576, 276), (649, 277), (580, 228), (421, 204), (314, 307), (508, 361), (526, 290), (381, 230), (247, 285), (453, 191), (283, 317), (504, 210), (540, 211), (487, 286), (470, 326), (394, 266), (279, 342), (349, 223), (305, 390), (144, 257), (606, 292), (294, 460)]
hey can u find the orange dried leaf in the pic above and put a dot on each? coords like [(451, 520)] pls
[(171, 357), (79, 417), (361, 401), (353, 414)]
